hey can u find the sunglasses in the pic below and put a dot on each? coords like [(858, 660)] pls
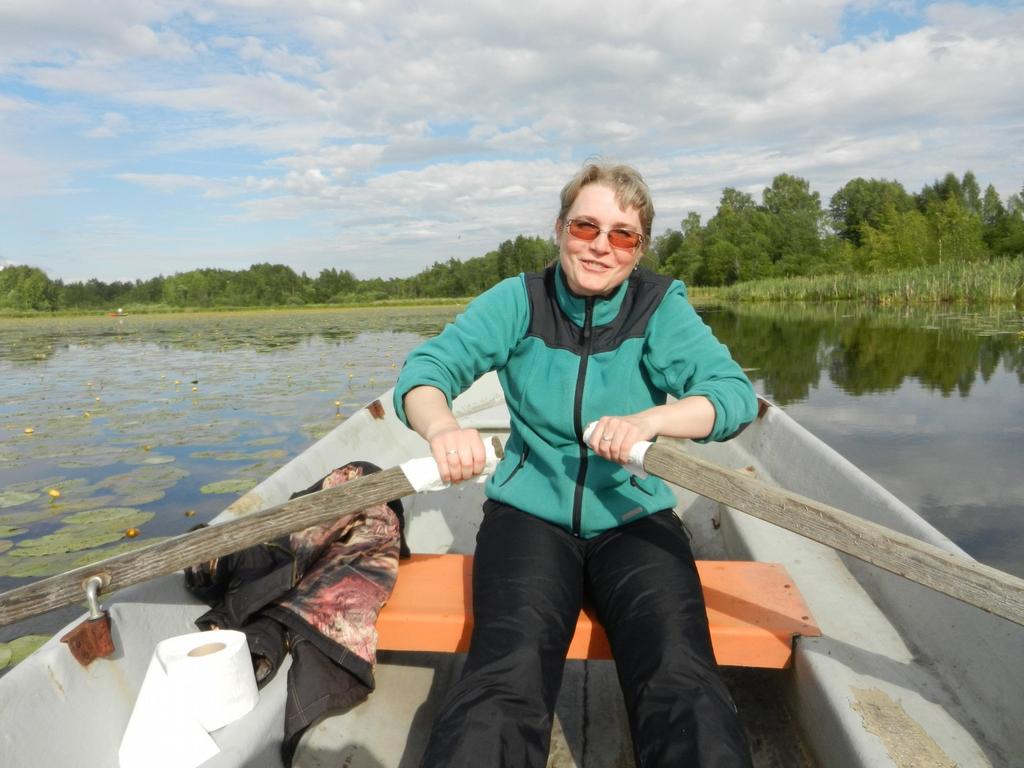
[(625, 239)]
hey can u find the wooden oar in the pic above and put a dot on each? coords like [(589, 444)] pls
[(960, 577), (172, 555)]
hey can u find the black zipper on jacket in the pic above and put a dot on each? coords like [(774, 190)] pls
[(636, 484), (522, 460), (577, 416)]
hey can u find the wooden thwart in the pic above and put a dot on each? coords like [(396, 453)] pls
[(754, 611)]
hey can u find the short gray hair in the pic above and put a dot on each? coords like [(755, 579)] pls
[(629, 186)]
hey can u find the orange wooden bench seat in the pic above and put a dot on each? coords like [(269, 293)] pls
[(754, 610)]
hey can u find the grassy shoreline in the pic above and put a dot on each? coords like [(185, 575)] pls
[(165, 309), (992, 282)]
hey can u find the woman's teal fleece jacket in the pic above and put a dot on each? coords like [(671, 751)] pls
[(564, 361)]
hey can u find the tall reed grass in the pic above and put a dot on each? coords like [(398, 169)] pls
[(994, 282)]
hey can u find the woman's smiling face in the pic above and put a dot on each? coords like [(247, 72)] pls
[(595, 267)]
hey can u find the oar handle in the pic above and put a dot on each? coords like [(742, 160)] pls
[(424, 475), (635, 465), (952, 574)]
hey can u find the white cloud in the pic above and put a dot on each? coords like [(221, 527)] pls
[(85, 78), (523, 139), (111, 126), (341, 159), (261, 97), (14, 104), (169, 183), (25, 176), (977, 21), (62, 31), (461, 122)]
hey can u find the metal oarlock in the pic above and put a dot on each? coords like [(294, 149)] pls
[(91, 639), (92, 596)]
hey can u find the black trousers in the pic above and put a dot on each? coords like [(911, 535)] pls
[(529, 580)]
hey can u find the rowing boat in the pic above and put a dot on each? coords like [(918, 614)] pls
[(901, 675)]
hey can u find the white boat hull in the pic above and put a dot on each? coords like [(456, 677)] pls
[(899, 671)]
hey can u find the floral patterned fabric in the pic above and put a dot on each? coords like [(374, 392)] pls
[(348, 570), (315, 594)]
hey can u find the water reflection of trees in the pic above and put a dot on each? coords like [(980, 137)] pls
[(782, 356), (785, 347), (864, 351)]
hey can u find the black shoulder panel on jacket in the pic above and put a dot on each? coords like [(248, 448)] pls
[(548, 323)]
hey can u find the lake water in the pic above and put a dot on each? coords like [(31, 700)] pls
[(155, 423)]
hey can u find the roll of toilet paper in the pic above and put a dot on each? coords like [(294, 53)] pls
[(195, 683), (212, 673)]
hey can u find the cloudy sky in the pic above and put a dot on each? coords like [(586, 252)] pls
[(145, 137)]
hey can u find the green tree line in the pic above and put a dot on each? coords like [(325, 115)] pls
[(869, 225), (25, 288)]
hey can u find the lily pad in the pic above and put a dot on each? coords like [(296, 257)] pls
[(63, 540), (275, 453), (49, 565), (5, 545), (26, 516), (316, 431), (261, 441), (6, 654), (106, 518), (66, 506), (212, 432), (68, 486), (24, 646), (127, 545), (237, 485), (10, 459), (9, 498), (150, 459), (35, 567), (9, 532), (34, 486), (145, 477), (87, 461), (142, 497)]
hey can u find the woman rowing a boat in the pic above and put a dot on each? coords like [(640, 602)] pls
[(593, 338)]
